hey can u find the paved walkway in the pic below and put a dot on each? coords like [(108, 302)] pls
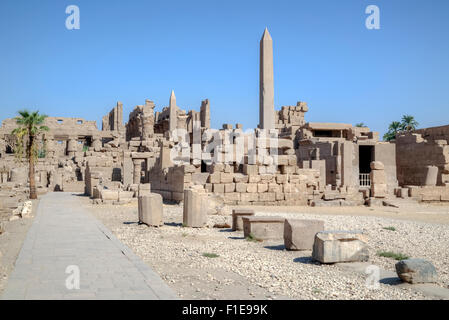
[(64, 234)]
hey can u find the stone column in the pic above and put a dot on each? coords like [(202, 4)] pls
[(266, 95), (137, 170), (96, 143), (71, 147), (378, 180)]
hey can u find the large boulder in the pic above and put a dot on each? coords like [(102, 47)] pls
[(340, 246), (300, 234), (416, 271)]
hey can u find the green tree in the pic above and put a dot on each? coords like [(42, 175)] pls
[(360, 125), (393, 129), (408, 123), (29, 128)]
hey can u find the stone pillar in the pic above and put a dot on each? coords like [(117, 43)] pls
[(96, 143), (137, 174), (431, 176), (150, 209), (205, 113), (266, 94), (71, 147), (148, 120), (173, 120), (195, 208), (378, 180)]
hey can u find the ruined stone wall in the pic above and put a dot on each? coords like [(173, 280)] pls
[(414, 154)]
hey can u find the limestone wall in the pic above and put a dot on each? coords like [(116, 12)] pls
[(414, 154)]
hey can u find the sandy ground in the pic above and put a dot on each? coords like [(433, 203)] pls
[(265, 270), (11, 241)]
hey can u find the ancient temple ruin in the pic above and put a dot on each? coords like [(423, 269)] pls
[(285, 161)]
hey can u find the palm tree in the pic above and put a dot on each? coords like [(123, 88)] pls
[(360, 125), (393, 129), (409, 123), (29, 128)]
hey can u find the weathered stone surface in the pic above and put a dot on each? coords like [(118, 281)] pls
[(431, 176), (195, 209), (237, 215), (264, 227), (151, 209), (377, 165), (416, 271), (340, 246), (300, 234)]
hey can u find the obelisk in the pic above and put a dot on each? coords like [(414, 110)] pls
[(266, 95), (173, 118)]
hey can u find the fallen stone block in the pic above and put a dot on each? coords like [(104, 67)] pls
[(263, 227), (416, 271), (109, 195), (150, 209), (237, 215), (300, 234), (340, 246)]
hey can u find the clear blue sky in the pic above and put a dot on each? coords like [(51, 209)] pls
[(130, 51)]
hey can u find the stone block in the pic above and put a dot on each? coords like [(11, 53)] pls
[(416, 271), (109, 195), (218, 188), (241, 187), (431, 176), (200, 178), (262, 187), (250, 169), (195, 208), (378, 177), (214, 177), (249, 197), (143, 189), (237, 214), (251, 188), (263, 227), (229, 187), (254, 178), (150, 209), (340, 246), (226, 177), (281, 178), (267, 196), (238, 177), (379, 190), (377, 165), (300, 234)]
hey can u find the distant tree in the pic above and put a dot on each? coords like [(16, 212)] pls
[(408, 123), (393, 129), (360, 125), (29, 128)]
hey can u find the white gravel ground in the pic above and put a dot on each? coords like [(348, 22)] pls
[(264, 270)]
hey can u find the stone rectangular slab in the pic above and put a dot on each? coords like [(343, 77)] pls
[(237, 215), (340, 246), (263, 227), (300, 234)]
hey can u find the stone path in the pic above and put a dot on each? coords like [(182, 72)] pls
[(64, 238)]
